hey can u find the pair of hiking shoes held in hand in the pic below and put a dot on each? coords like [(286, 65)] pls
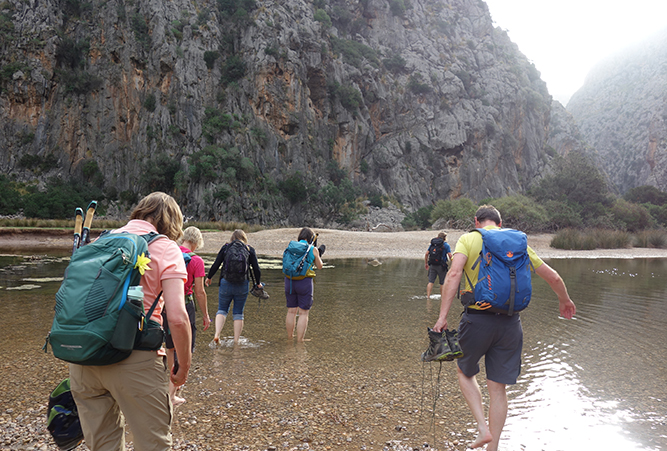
[(443, 346)]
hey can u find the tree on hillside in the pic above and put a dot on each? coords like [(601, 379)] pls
[(577, 183)]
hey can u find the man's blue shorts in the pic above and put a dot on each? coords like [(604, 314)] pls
[(301, 293), (497, 337)]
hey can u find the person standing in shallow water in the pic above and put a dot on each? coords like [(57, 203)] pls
[(136, 390), (194, 290), (436, 265), (496, 336), (299, 292), (231, 290)]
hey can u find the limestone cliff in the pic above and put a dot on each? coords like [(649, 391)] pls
[(622, 112), (239, 107)]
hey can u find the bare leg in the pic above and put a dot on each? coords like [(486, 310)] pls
[(219, 324), (497, 412), (429, 288), (473, 397), (442, 291), (302, 325), (290, 322), (238, 328)]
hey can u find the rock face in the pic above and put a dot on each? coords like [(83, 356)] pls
[(622, 112), (228, 104)]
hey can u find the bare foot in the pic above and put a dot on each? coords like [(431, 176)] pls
[(216, 340), (482, 439), (177, 401)]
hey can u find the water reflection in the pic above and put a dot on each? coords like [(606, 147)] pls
[(596, 382)]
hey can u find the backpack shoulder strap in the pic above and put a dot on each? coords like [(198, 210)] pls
[(482, 232), (150, 236)]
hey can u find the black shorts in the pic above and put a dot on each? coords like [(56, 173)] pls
[(437, 271), (497, 337)]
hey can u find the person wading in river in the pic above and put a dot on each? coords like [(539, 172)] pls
[(496, 336), (435, 262)]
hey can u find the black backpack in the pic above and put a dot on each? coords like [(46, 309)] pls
[(235, 265), (435, 251)]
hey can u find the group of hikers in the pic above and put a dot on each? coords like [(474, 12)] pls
[(144, 385)]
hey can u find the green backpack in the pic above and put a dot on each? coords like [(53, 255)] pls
[(95, 323)]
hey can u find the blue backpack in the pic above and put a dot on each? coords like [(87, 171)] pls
[(187, 256), (504, 273), (297, 259)]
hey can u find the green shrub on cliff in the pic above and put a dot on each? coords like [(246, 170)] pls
[(322, 17), (457, 212), (233, 70), (10, 197)]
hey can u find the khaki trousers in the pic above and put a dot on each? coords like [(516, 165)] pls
[(136, 391)]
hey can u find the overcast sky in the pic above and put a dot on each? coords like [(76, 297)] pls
[(566, 38)]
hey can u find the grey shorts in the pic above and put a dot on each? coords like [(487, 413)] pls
[(499, 338), (437, 271)]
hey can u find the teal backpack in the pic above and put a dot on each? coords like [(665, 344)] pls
[(297, 259), (95, 323)]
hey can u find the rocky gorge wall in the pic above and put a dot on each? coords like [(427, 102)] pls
[(239, 107)]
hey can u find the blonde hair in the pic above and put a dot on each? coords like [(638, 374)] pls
[(193, 236), (163, 212), (239, 235), (442, 235)]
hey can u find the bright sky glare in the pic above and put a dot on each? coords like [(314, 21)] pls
[(566, 38)]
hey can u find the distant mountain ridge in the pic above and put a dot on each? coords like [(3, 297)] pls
[(621, 111)]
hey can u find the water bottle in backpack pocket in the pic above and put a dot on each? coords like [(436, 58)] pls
[(130, 320)]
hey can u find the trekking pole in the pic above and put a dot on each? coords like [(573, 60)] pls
[(78, 222), (90, 212)]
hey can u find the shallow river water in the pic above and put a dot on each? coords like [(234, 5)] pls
[(596, 382)]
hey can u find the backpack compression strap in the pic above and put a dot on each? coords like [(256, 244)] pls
[(303, 259)]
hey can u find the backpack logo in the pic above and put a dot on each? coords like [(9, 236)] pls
[(235, 264), (504, 281)]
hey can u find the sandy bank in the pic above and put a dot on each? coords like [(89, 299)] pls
[(340, 244), (370, 245)]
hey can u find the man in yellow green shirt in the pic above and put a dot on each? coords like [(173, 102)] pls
[(496, 336)]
